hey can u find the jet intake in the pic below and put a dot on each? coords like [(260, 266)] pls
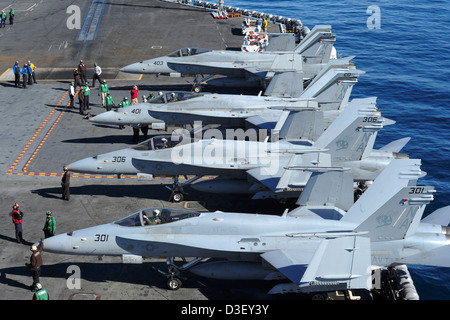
[(234, 270), (228, 82), (221, 186)]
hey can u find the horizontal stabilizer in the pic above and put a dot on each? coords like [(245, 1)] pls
[(341, 261), (438, 257), (285, 84), (298, 171), (331, 188), (388, 122), (285, 62), (305, 125), (397, 145), (281, 42), (440, 216)]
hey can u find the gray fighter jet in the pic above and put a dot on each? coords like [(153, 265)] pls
[(244, 68), (329, 90), (257, 166), (317, 247)]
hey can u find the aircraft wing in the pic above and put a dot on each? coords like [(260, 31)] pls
[(281, 63), (335, 263), (281, 42), (217, 66), (265, 176), (264, 120)]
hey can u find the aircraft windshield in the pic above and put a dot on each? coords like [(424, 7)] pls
[(172, 96), (157, 99), (184, 52), (181, 96), (156, 216), (162, 142)]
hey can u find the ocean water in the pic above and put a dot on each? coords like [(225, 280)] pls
[(407, 64)]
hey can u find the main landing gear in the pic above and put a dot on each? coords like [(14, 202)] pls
[(177, 188), (197, 85), (173, 274)]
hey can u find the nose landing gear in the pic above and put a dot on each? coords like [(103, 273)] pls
[(173, 274), (177, 188)]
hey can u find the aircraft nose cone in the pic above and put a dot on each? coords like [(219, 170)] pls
[(87, 165), (107, 117), (133, 68), (58, 244)]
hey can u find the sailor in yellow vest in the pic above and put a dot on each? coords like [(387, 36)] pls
[(33, 73), (264, 25)]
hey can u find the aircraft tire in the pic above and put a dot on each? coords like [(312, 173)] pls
[(174, 283), (197, 89), (177, 197)]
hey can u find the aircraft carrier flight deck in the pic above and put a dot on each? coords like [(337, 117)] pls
[(40, 133)]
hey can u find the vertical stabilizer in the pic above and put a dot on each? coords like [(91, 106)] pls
[(317, 46), (389, 207), (349, 135), (333, 84), (393, 220)]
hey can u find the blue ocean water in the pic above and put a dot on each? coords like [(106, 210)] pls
[(407, 64)]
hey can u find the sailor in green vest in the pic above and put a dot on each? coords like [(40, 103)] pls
[(11, 16), (103, 90), (109, 102), (124, 103), (3, 21), (41, 293), (87, 93), (50, 225)]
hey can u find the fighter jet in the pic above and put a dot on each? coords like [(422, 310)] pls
[(244, 68), (253, 166), (329, 90), (317, 247)]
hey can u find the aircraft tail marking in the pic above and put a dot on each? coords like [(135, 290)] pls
[(317, 46)]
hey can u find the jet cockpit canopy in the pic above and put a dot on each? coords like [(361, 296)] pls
[(154, 216), (163, 142), (173, 96), (188, 51)]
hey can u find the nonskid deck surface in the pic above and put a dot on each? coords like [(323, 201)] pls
[(40, 133)]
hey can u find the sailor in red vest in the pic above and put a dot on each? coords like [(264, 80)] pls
[(17, 217)]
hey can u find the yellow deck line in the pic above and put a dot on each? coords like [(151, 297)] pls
[(47, 174)]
